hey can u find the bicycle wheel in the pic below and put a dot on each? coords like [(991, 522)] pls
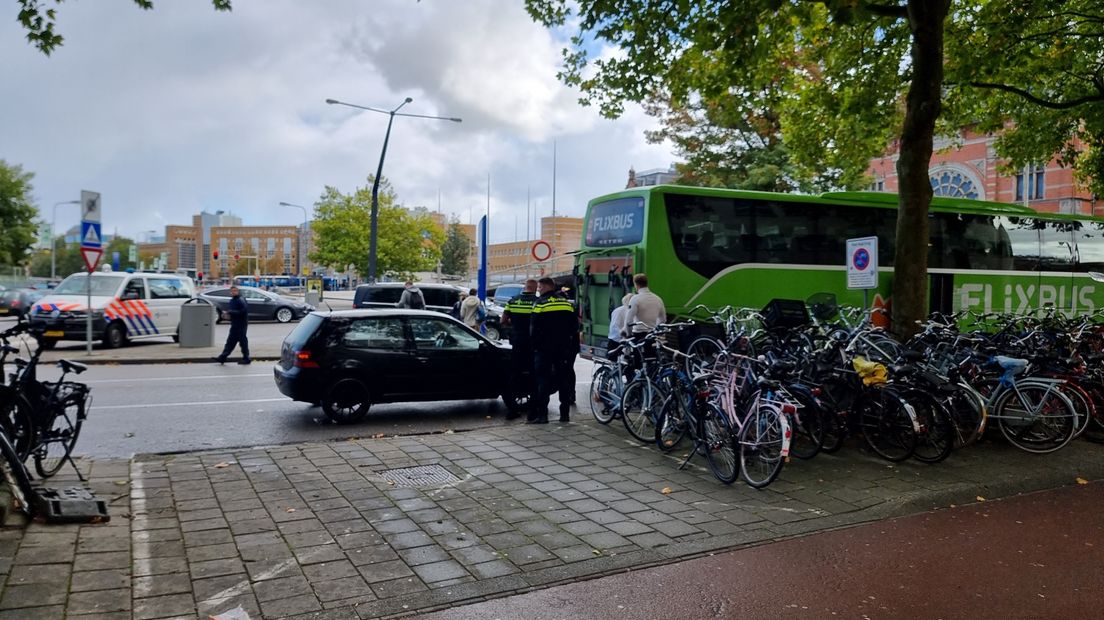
[(15, 473), (936, 438), (637, 405), (702, 354), (720, 444), (968, 413), (17, 421), (888, 424), (764, 445), (603, 394), (1035, 418), (1082, 404), (55, 443), (807, 424), (671, 424)]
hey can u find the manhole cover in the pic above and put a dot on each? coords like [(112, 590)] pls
[(423, 476)]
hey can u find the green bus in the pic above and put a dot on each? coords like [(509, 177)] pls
[(726, 247)]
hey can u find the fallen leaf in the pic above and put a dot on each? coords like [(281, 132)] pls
[(666, 491), (222, 465), (290, 510), (121, 483), (378, 436), (128, 435), (1082, 481), (980, 498), (596, 552)]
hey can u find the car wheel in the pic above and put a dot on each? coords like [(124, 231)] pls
[(515, 403), (284, 315), (492, 333), (176, 336), (114, 336), (346, 401)]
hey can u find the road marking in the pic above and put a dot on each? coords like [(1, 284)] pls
[(144, 379), (193, 404)]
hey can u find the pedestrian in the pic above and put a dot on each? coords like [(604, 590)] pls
[(239, 323), (555, 335), (455, 312), (472, 311), (517, 316), (616, 328), (645, 310), (412, 298)]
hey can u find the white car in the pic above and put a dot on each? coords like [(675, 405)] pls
[(125, 306)]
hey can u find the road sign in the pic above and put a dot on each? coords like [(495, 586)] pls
[(541, 251), (91, 257), (90, 206), (90, 234), (862, 263), (132, 255)]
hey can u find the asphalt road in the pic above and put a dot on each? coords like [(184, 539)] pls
[(180, 407)]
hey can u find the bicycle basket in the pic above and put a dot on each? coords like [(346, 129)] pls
[(872, 373), (823, 306), (785, 313)]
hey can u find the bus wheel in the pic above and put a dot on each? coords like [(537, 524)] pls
[(114, 336)]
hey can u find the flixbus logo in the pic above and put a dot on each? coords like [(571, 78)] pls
[(1022, 298)]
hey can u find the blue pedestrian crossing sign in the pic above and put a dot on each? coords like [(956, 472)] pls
[(862, 263), (90, 235)]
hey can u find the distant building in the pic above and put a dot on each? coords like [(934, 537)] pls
[(968, 168), (654, 176)]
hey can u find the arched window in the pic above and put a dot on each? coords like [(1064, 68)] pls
[(953, 183)]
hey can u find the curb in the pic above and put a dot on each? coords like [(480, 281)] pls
[(154, 360)]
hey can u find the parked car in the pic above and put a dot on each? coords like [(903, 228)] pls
[(346, 361), (18, 301), (503, 294), (438, 297), (263, 305), (125, 307)]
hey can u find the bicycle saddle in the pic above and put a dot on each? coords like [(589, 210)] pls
[(74, 367)]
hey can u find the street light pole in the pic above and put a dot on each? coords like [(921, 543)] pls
[(53, 238), (373, 235), (302, 237)]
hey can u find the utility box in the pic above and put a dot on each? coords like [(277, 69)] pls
[(313, 298), (197, 323)]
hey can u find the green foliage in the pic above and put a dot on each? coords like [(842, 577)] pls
[(1030, 70), (408, 242), (122, 246), (455, 251), (39, 21), (17, 215)]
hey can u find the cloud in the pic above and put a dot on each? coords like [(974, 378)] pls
[(179, 109)]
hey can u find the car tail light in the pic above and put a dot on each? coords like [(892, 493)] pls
[(15, 303), (303, 360)]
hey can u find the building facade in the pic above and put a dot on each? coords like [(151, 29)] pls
[(969, 168)]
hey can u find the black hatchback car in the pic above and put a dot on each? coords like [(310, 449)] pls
[(438, 297), (347, 361)]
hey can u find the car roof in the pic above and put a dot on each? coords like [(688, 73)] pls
[(380, 312), (416, 284)]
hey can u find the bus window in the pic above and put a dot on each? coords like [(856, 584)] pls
[(1090, 246), (1023, 237), (1056, 247)]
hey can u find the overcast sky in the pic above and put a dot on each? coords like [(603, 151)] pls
[(181, 109)]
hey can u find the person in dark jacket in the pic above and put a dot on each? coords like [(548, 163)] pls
[(517, 316), (555, 337), (239, 322)]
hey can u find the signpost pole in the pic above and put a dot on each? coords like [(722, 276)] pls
[(91, 250)]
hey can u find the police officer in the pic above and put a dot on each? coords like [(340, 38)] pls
[(239, 323), (516, 316), (555, 332)]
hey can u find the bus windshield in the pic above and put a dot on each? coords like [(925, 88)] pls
[(76, 283)]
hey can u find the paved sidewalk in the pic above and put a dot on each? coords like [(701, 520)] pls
[(318, 531)]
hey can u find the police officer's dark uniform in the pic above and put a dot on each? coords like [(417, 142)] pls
[(239, 323), (555, 331), (518, 313)]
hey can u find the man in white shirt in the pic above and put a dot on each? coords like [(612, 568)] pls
[(617, 325), (645, 308)]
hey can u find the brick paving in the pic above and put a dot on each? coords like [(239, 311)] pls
[(314, 531)]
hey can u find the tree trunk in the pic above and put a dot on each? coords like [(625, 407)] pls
[(922, 107)]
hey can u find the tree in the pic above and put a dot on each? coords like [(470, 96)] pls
[(455, 251), (121, 245), (17, 215), (1043, 89), (852, 73), (39, 21), (408, 242)]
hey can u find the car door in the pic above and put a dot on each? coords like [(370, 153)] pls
[(450, 356), (261, 306), (378, 350), (133, 308)]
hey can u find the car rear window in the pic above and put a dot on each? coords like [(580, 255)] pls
[(382, 295), (303, 331), (440, 296)]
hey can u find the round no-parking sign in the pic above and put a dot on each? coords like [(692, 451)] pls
[(541, 251)]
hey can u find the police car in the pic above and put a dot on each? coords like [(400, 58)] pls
[(125, 306)]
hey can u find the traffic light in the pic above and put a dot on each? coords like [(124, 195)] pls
[(216, 254), (237, 257)]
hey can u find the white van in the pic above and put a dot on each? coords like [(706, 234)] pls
[(125, 306)]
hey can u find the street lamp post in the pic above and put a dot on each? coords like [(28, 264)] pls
[(53, 238), (302, 237), (379, 171)]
